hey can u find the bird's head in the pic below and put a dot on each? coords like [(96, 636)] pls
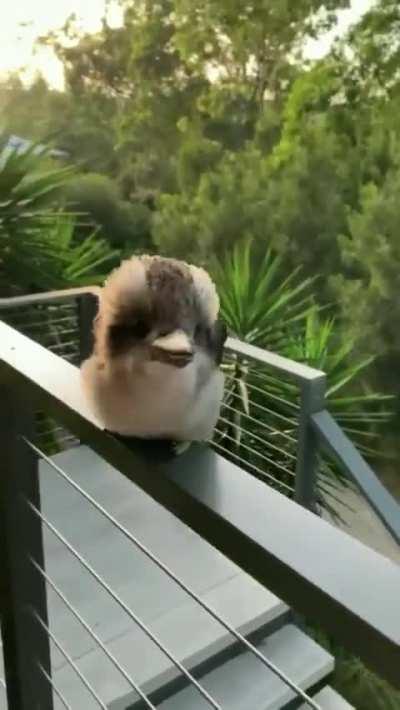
[(157, 309)]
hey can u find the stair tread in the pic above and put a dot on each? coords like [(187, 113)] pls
[(243, 683), (329, 699), (182, 625)]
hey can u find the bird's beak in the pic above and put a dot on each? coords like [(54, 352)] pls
[(174, 349)]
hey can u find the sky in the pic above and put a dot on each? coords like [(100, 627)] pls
[(22, 21), (318, 48)]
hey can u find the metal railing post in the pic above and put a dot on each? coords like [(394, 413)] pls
[(25, 644), (312, 401), (87, 311)]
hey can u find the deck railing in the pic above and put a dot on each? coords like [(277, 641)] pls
[(320, 572), (274, 421)]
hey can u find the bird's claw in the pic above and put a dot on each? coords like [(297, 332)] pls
[(179, 447)]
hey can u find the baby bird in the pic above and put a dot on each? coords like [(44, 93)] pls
[(155, 370)]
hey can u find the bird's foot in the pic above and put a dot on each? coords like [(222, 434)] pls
[(179, 447)]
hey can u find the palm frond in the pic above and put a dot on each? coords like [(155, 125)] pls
[(37, 247), (264, 307)]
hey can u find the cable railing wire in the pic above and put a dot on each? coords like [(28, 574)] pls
[(68, 306), (40, 323), (67, 441), (256, 372), (72, 357), (262, 407), (50, 310), (46, 332), (161, 565), (49, 329), (93, 635), (50, 430), (53, 686), (66, 331), (49, 340), (67, 345), (55, 435), (268, 394), (264, 442), (58, 435), (257, 369), (253, 451), (125, 607), (259, 423), (69, 660)]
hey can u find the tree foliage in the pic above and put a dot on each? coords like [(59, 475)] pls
[(98, 201), (198, 126), (214, 129), (37, 247)]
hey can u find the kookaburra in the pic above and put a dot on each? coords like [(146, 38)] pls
[(154, 372)]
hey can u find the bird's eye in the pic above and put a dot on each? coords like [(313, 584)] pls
[(140, 329), (122, 334), (119, 338), (163, 332)]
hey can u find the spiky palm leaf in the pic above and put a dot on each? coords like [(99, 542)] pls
[(36, 245), (79, 263), (259, 423), (358, 412), (256, 303)]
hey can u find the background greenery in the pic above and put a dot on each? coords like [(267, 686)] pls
[(38, 249), (197, 130), (196, 127), (267, 307)]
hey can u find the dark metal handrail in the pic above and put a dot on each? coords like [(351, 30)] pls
[(298, 371), (318, 570), (47, 297), (316, 426)]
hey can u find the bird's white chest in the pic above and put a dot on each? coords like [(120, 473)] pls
[(157, 400)]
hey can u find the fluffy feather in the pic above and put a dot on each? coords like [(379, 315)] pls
[(154, 371)]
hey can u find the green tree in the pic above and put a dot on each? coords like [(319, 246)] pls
[(128, 89), (207, 116), (371, 69), (224, 205), (80, 126), (33, 111), (213, 66), (97, 198), (293, 198), (370, 303)]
